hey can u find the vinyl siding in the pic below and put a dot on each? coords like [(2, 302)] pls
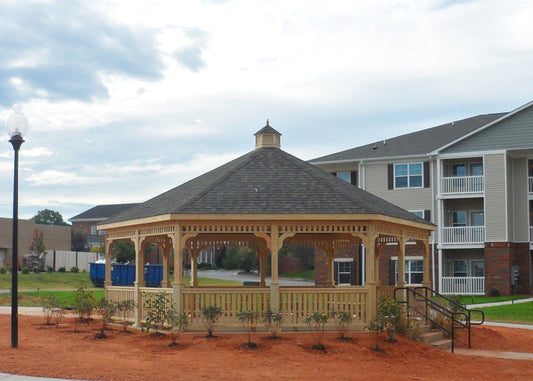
[(495, 203), (408, 198), (515, 132), (510, 198), (520, 205)]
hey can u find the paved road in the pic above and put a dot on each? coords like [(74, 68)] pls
[(242, 277)]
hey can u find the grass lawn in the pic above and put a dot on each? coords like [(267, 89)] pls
[(478, 299), (512, 313), (34, 298), (44, 280)]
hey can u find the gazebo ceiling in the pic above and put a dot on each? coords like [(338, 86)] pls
[(265, 181)]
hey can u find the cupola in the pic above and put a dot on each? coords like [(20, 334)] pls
[(267, 137)]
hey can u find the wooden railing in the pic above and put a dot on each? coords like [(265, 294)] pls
[(231, 299), (299, 302), (296, 303), (462, 185), (463, 285), (463, 235)]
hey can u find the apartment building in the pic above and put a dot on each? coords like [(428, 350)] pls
[(473, 178)]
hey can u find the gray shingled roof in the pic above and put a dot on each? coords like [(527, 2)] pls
[(102, 212), (265, 181), (416, 143), (267, 130)]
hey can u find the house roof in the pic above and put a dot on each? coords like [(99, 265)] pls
[(416, 143), (265, 181), (101, 212)]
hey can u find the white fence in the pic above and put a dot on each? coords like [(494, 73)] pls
[(463, 235), (462, 184), (473, 285), (69, 259)]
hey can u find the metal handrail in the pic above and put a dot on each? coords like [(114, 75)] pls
[(458, 314)]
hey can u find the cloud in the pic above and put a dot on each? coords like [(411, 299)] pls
[(53, 177), (61, 50), (191, 56)]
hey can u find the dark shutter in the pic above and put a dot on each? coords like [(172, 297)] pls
[(334, 173), (426, 174), (427, 215), (390, 176), (353, 280), (353, 178), (392, 273), (336, 273)]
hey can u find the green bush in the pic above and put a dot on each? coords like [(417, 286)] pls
[(25, 270), (157, 307), (74, 269), (317, 325), (273, 320), (248, 320), (84, 304), (176, 323), (3, 269), (211, 314), (61, 270), (50, 269), (343, 320), (388, 319)]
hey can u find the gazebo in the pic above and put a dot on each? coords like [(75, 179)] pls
[(264, 199)]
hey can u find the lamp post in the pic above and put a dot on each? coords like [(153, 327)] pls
[(16, 125)]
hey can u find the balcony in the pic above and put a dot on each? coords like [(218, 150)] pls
[(464, 185), (463, 235), (472, 285)]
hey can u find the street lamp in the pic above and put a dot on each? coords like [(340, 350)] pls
[(16, 125)]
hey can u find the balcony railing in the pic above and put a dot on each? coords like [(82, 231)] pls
[(462, 185), (463, 235), (530, 184), (473, 285)]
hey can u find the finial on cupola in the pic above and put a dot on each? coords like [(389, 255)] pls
[(267, 137)]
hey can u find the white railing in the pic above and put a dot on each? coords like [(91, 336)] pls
[(463, 235), (530, 184), (473, 285), (462, 184)]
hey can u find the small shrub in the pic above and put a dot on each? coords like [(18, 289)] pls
[(124, 307), (273, 320), (248, 320), (61, 270), (3, 269), (50, 305), (317, 324), (388, 319), (50, 269), (74, 269), (106, 310), (25, 270), (157, 306), (494, 292), (343, 320), (211, 314), (176, 322), (84, 304)]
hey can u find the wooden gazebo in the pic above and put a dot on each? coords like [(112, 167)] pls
[(264, 200)]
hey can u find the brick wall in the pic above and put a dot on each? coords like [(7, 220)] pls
[(499, 258), (321, 264)]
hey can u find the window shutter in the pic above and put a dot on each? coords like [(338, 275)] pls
[(353, 178), (426, 174), (427, 215), (336, 272), (334, 173), (392, 273), (390, 176), (354, 274)]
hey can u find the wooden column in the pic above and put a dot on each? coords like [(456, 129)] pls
[(274, 284), (166, 268), (108, 281), (262, 253), (330, 255), (370, 247), (139, 279), (427, 260), (194, 266), (178, 244), (401, 262)]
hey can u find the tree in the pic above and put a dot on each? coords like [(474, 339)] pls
[(123, 252), (36, 259), (49, 217)]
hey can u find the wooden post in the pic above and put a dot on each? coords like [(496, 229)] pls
[(263, 253), (166, 272), (330, 255), (194, 266), (427, 260), (178, 244), (370, 247), (274, 284)]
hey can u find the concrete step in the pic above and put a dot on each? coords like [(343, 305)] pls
[(445, 344), (430, 337)]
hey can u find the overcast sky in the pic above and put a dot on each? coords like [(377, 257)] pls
[(127, 99)]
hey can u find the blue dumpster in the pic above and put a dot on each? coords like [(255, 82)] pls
[(124, 275), (97, 274), (153, 275)]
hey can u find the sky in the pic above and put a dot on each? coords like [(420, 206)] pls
[(128, 99)]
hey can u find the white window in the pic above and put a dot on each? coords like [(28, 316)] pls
[(418, 213), (477, 218), (408, 175), (476, 169), (101, 232), (344, 270), (346, 176), (93, 230), (459, 218), (414, 271), (458, 170)]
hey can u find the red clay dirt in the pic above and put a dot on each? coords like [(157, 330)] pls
[(59, 352)]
